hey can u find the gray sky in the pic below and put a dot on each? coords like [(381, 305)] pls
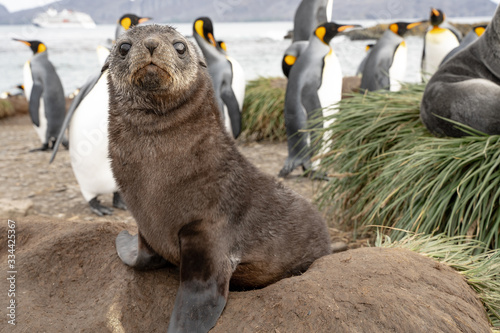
[(15, 5)]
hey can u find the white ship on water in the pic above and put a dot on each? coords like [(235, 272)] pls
[(63, 19)]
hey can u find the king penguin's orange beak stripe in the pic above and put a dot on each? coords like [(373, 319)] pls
[(212, 39), (413, 25), (144, 19), (345, 27), (435, 12)]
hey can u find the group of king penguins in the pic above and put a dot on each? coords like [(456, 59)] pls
[(313, 89), (315, 76), (87, 119)]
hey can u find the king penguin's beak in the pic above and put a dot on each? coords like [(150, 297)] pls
[(413, 25), (22, 41)]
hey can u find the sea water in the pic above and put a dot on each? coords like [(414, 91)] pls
[(257, 46)]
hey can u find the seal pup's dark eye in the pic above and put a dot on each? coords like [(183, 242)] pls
[(124, 48), (180, 47)]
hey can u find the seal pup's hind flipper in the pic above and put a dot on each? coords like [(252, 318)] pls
[(136, 253)]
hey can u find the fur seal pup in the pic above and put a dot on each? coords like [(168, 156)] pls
[(197, 201), (466, 88)]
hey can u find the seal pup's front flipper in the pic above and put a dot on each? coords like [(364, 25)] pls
[(205, 274), (136, 253)]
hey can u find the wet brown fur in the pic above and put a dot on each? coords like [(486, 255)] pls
[(184, 180)]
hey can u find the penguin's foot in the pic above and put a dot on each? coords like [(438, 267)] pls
[(315, 175), (97, 208), (65, 143), (291, 164), (118, 201), (44, 147)]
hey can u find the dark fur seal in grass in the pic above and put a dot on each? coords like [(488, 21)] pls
[(197, 201), (466, 88)]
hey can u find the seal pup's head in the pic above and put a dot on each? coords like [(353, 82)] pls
[(155, 67)]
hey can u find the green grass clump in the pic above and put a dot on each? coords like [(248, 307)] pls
[(262, 115), (387, 169), (6, 108), (482, 271)]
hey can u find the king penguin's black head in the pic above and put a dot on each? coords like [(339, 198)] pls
[(479, 29), (128, 21), (437, 17), (400, 28), (203, 26), (35, 45), (326, 31)]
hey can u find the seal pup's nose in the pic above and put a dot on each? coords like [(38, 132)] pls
[(151, 44)]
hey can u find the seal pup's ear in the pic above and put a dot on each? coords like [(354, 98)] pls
[(106, 65), (202, 63)]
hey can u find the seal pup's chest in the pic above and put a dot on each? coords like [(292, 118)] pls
[(167, 184)]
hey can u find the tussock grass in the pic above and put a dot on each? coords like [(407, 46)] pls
[(262, 115), (387, 169), (6, 108), (482, 271)]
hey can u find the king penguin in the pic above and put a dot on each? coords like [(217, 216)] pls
[(466, 88), (439, 40), (238, 82), (362, 64), (476, 32), (87, 120), (125, 22), (222, 74), (385, 65), (314, 82), (291, 55), (128, 21), (309, 15), (45, 94)]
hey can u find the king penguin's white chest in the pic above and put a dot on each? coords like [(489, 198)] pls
[(397, 71), (330, 90), (438, 43), (88, 140), (40, 130)]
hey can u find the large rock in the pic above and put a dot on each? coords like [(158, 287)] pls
[(70, 279)]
